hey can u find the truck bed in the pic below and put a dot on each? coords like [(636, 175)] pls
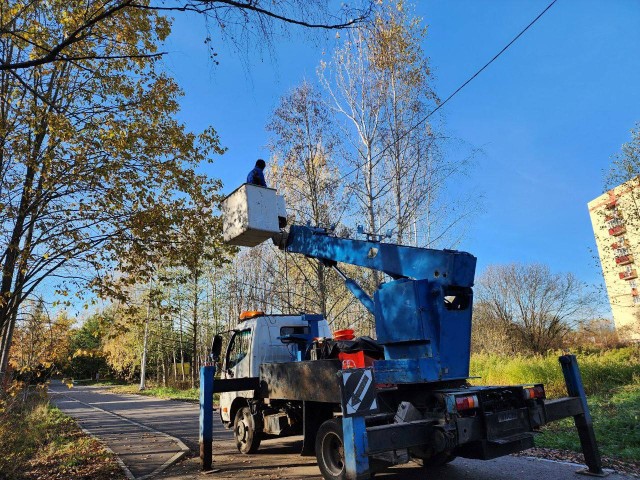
[(314, 381)]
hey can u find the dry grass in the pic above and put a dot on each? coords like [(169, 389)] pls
[(601, 371)]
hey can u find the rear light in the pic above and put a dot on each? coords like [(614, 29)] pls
[(467, 402), (536, 391)]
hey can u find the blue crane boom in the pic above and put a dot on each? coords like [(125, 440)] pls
[(422, 316), (397, 261)]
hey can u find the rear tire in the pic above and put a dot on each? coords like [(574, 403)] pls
[(247, 436), (330, 450)]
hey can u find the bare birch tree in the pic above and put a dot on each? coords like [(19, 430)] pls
[(379, 80), (304, 142), (536, 307)]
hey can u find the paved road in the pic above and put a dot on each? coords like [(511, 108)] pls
[(110, 416), (128, 425)]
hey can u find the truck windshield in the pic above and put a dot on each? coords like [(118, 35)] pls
[(239, 347)]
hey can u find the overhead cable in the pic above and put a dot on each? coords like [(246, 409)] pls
[(469, 80)]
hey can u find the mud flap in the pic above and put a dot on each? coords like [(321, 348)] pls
[(314, 414)]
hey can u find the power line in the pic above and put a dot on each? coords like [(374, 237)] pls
[(485, 65), (469, 80)]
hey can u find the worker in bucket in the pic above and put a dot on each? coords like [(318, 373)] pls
[(256, 176)]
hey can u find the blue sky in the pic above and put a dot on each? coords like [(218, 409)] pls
[(548, 114)]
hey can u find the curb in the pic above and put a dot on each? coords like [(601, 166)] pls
[(183, 448), (579, 466)]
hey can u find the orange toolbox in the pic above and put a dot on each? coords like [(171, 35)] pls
[(355, 360)]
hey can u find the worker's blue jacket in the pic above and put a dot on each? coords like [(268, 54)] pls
[(256, 177)]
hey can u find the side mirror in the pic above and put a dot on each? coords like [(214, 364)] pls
[(216, 347)]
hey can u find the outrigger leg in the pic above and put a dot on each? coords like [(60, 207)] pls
[(583, 421)]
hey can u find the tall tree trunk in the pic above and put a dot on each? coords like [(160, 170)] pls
[(7, 297), (371, 207), (181, 338), (175, 368), (165, 361), (7, 336), (194, 345), (143, 364), (9, 300), (158, 362), (322, 289)]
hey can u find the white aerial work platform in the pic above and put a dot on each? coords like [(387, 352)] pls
[(252, 214)]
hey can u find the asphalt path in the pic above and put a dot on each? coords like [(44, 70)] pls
[(149, 434), (128, 426)]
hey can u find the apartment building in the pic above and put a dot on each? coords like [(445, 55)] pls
[(615, 217)]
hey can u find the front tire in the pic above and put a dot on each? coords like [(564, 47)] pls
[(247, 436), (330, 450)]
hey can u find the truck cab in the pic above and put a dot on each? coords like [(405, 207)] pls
[(260, 338)]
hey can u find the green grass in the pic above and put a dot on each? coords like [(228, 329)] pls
[(612, 383), (616, 419), (99, 383), (169, 393)]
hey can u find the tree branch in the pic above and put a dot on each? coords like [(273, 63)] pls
[(74, 37), (110, 57), (250, 6)]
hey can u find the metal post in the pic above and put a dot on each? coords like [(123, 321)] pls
[(206, 415), (354, 437), (583, 421)]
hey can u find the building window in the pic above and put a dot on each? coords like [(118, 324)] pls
[(636, 300)]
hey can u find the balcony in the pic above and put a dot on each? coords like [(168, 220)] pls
[(634, 292), (628, 275), (618, 244), (624, 259), (619, 230)]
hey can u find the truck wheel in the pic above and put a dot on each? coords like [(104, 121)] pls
[(330, 450), (244, 430)]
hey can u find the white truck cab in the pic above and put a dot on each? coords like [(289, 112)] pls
[(258, 339)]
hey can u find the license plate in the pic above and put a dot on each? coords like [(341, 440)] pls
[(507, 416)]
